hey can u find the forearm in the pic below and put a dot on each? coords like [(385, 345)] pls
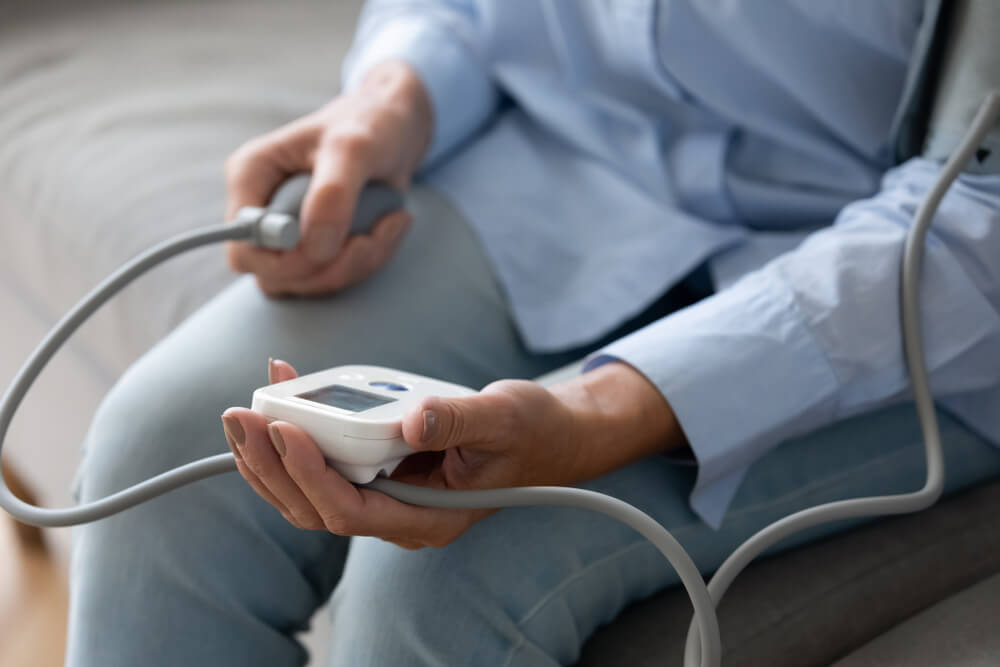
[(398, 91), (618, 417), (814, 336)]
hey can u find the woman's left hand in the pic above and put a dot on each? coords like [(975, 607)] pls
[(512, 433)]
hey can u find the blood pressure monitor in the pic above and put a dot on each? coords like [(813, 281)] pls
[(354, 413)]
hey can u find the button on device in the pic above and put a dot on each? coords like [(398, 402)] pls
[(391, 386)]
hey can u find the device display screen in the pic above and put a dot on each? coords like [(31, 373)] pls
[(346, 398)]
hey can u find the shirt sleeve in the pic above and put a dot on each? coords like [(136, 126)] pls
[(443, 41), (814, 336)]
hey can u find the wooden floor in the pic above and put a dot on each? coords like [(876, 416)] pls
[(33, 600)]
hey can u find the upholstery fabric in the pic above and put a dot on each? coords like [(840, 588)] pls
[(960, 631), (813, 605), (115, 122)]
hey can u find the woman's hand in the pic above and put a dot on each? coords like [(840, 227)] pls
[(378, 131), (513, 433)]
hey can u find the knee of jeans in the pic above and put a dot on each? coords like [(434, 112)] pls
[(147, 424), (392, 605), (472, 602)]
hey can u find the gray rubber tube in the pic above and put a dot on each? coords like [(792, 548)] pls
[(50, 345), (913, 345), (703, 642), (376, 200), (642, 523)]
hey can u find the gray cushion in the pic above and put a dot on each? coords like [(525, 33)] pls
[(962, 631), (815, 604), (115, 122)]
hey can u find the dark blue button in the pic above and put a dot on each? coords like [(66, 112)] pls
[(391, 386)]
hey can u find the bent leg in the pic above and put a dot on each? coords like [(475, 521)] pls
[(527, 586), (211, 574)]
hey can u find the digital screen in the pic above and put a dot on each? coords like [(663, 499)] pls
[(346, 398)]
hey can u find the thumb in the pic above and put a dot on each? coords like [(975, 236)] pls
[(256, 169), (337, 179), (441, 423), (279, 371)]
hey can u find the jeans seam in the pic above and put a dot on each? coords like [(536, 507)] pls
[(641, 543), (515, 648), (565, 583)]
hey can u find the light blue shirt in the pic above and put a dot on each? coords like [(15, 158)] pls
[(603, 150)]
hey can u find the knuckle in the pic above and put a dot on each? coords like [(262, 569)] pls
[(456, 424), (306, 520), (313, 523), (331, 190), (233, 166), (393, 115), (337, 524), (354, 144), (239, 161), (507, 409)]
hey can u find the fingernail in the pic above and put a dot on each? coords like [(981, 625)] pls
[(276, 439), (234, 430), (430, 425), (272, 373)]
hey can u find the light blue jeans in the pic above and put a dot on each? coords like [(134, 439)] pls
[(212, 575)]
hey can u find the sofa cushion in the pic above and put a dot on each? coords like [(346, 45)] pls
[(115, 123), (815, 604), (961, 631)]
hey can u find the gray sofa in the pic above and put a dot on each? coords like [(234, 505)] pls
[(115, 118)]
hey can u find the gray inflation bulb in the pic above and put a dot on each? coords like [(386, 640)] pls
[(375, 201)]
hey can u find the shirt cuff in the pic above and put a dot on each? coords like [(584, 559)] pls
[(460, 90), (742, 373)]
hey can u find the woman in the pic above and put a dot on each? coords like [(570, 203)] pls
[(699, 196)]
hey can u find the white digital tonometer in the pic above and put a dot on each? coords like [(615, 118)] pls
[(354, 412)]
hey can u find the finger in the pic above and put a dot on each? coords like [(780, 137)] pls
[(361, 256), (244, 257), (339, 172), (253, 172), (349, 510), (279, 371), (249, 475), (293, 272), (249, 431), (255, 169), (441, 423)]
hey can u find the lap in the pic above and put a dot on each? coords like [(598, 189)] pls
[(228, 575), (434, 309)]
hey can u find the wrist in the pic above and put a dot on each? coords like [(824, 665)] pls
[(618, 417), (397, 90)]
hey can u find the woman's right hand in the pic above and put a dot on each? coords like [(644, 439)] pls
[(378, 131)]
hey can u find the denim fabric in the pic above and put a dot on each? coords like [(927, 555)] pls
[(212, 575)]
